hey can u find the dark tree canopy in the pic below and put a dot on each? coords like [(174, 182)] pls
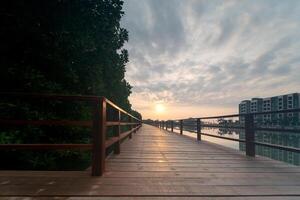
[(62, 47)]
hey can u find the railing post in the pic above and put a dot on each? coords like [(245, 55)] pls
[(99, 132), (198, 129), (249, 135), (167, 122), (172, 125), (130, 120), (181, 127), (117, 129), (135, 126)]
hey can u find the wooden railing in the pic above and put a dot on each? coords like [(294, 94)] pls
[(248, 126), (98, 124)]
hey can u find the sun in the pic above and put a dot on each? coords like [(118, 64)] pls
[(160, 108)]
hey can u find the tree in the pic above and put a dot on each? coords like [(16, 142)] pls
[(65, 47)]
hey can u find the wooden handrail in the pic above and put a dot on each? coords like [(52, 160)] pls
[(242, 114), (45, 146), (99, 126), (249, 128), (49, 96), (46, 122), (120, 109), (61, 123)]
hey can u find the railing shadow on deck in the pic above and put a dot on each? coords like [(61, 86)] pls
[(247, 123), (98, 125)]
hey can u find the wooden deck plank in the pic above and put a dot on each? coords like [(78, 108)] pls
[(156, 164), (208, 181), (149, 190), (164, 198)]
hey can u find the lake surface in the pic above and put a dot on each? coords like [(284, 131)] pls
[(279, 138)]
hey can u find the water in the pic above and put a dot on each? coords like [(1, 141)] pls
[(279, 138)]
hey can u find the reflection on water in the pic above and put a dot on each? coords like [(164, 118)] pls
[(279, 138)]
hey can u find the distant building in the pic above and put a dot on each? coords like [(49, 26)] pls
[(276, 103)]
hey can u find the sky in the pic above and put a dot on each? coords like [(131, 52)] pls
[(196, 58)]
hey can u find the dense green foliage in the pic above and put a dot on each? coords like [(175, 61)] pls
[(62, 47)]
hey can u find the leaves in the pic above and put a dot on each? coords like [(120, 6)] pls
[(65, 47)]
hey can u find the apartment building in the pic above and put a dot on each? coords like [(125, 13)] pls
[(276, 103)]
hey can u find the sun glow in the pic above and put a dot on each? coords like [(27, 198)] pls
[(159, 108)]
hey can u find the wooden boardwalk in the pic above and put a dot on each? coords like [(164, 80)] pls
[(156, 164)]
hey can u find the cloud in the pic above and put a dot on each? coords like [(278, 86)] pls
[(211, 53)]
